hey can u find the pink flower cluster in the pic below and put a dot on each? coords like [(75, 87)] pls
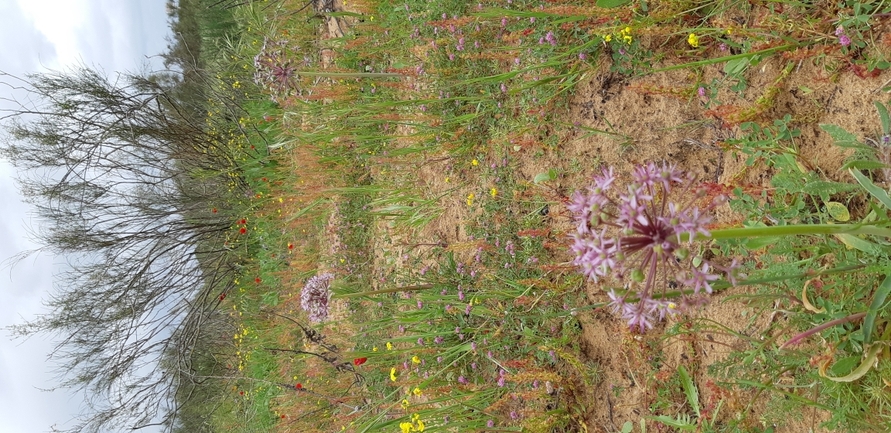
[(642, 237)]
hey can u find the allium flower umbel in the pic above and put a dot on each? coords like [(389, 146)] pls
[(642, 237), (316, 295)]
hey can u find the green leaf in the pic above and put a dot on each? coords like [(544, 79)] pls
[(689, 389), (855, 242), (842, 137), (870, 187), (861, 164), (627, 427), (545, 177), (611, 3), (883, 114), (838, 211), (760, 242), (683, 421), (877, 301), (868, 361), (736, 66)]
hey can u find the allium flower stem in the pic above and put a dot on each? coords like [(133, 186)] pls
[(413, 288), (802, 229)]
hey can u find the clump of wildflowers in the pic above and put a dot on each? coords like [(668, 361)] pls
[(643, 238), (316, 296)]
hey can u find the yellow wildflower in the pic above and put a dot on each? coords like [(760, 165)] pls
[(393, 374), (470, 198), (406, 427), (389, 346), (404, 404), (693, 40), (625, 34), (374, 349), (475, 162), (415, 359), (607, 38), (493, 192), (417, 391)]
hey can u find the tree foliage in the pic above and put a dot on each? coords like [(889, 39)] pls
[(123, 179)]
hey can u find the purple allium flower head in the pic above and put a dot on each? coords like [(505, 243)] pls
[(316, 295), (641, 238), (420, 341), (490, 423), (500, 382), (462, 380), (701, 92), (438, 339)]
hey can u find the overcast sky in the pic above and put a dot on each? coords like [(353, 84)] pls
[(40, 35)]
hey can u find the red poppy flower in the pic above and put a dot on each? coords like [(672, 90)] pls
[(290, 246), (222, 296), (214, 210), (298, 386), (359, 361), (242, 230), (241, 392), (257, 280), (243, 221), (283, 416)]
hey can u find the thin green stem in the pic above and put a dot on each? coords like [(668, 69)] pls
[(384, 291), (804, 229)]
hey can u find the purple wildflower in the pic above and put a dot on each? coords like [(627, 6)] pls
[(316, 295), (843, 38), (641, 238)]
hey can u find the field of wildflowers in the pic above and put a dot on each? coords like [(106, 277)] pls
[(558, 215)]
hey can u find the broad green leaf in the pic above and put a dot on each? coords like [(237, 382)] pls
[(853, 242), (861, 164), (883, 114), (842, 137), (545, 177), (611, 3), (541, 177), (838, 211), (760, 242), (868, 361), (689, 389), (627, 427), (870, 187), (877, 301), (736, 66), (683, 422)]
